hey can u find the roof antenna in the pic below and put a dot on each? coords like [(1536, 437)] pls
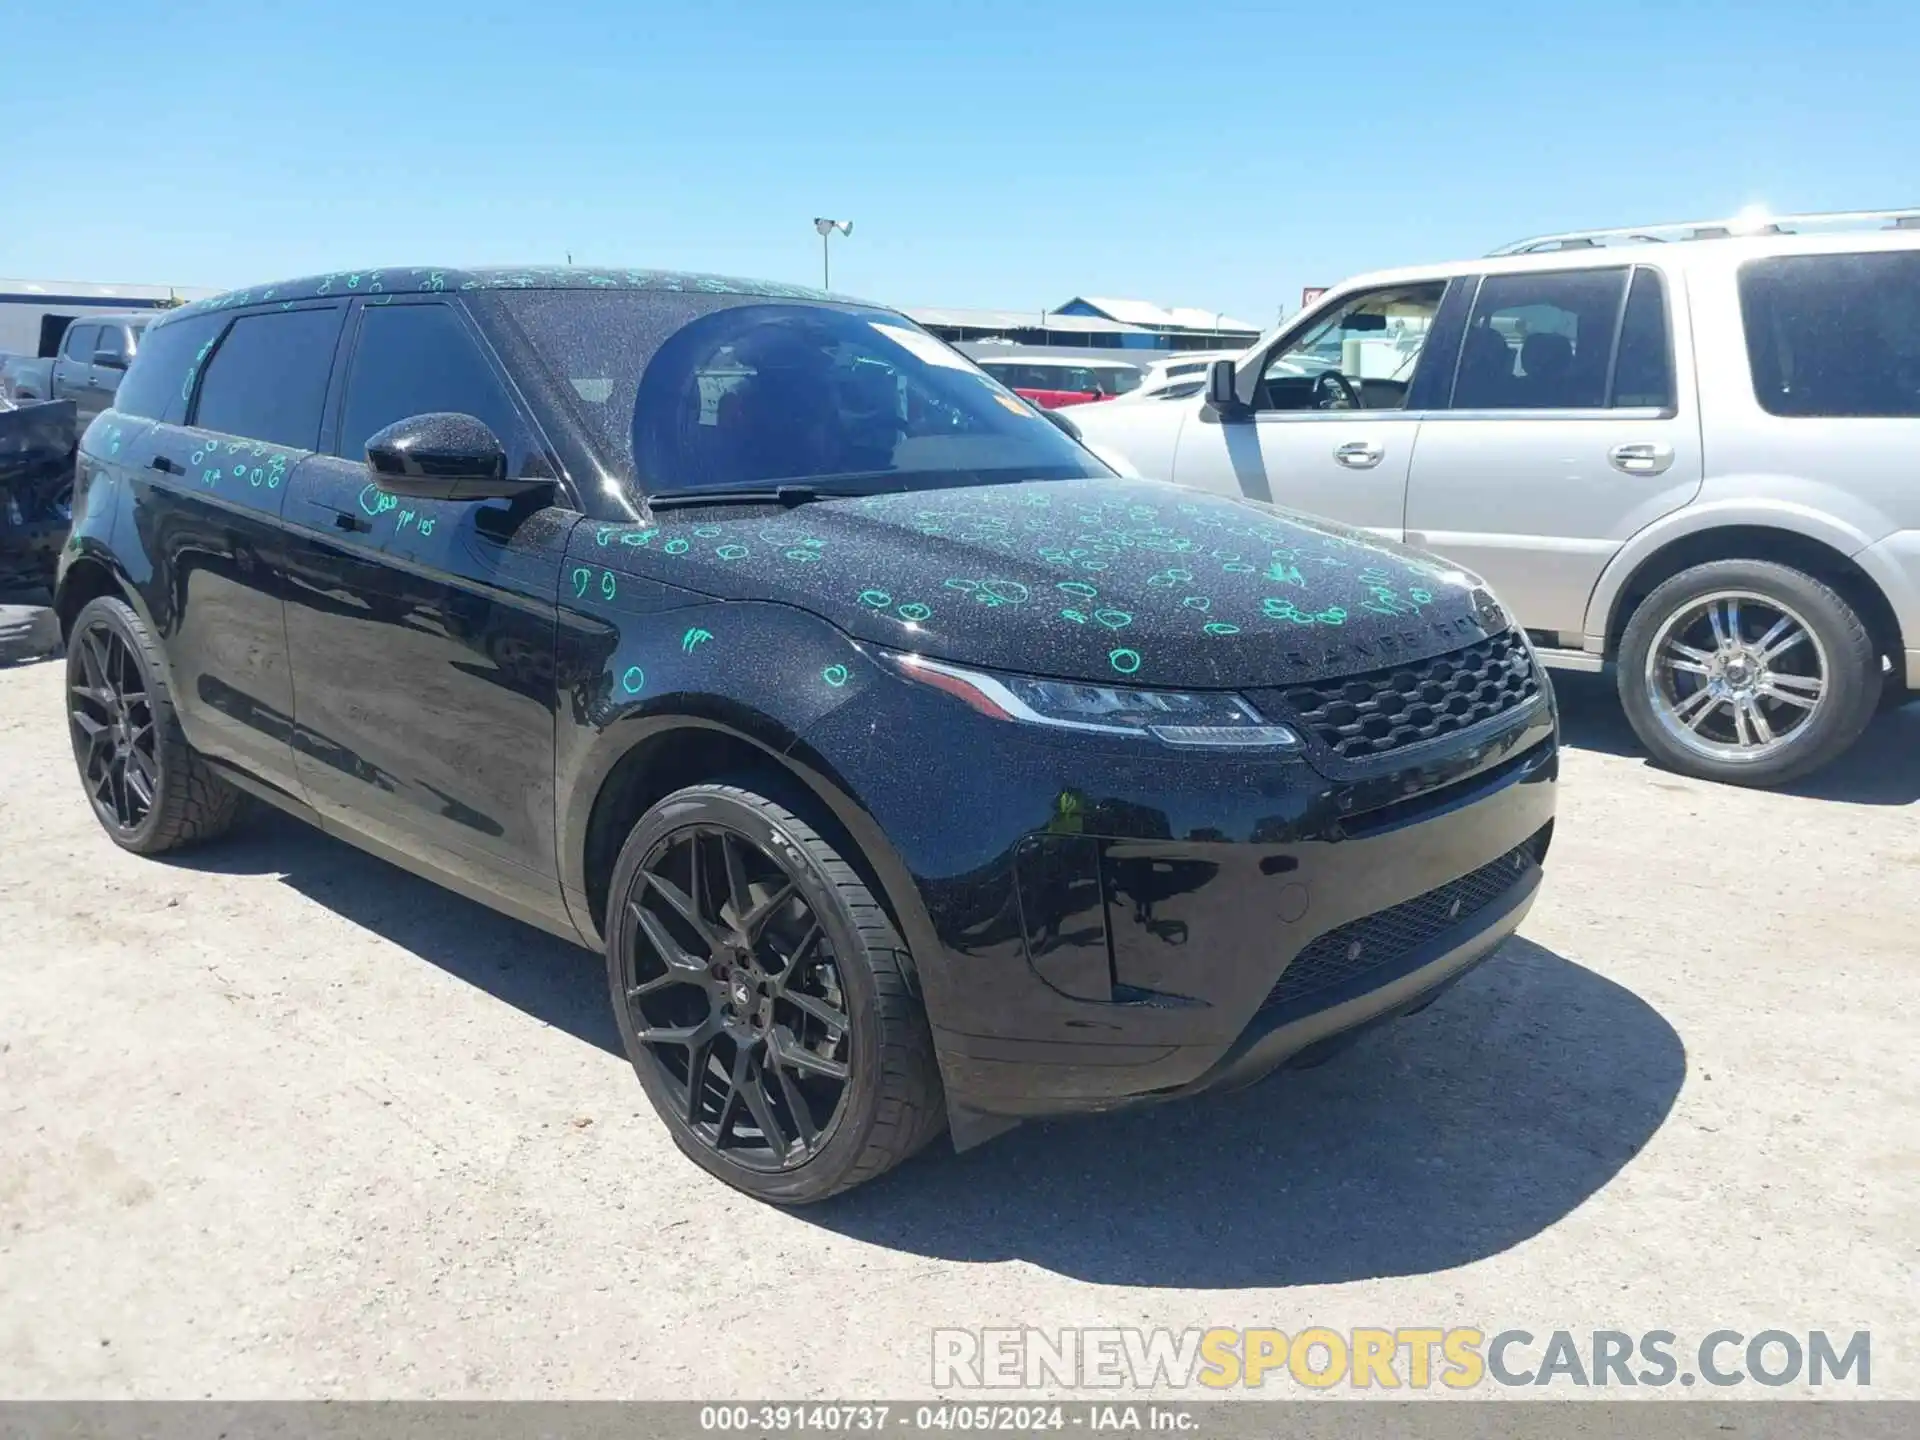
[(569, 257)]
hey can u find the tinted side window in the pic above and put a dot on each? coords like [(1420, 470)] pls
[(420, 360), (268, 378), (1834, 334), (160, 381), (1540, 342), (1643, 369), (80, 340)]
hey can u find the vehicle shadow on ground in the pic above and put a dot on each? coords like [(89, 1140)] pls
[(1883, 767), (1440, 1139), (1435, 1141), (556, 983)]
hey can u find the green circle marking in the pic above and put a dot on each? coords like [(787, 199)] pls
[(835, 675), (1125, 661), (634, 678)]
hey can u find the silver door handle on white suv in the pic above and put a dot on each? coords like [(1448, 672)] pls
[(1359, 454), (1646, 459)]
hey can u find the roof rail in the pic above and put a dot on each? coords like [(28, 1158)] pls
[(1746, 223)]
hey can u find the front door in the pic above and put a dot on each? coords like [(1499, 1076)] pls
[(1332, 430), (422, 631), (1564, 435)]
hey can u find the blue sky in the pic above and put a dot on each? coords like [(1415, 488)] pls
[(990, 153)]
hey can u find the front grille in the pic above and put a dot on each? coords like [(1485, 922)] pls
[(1361, 717), (1384, 940)]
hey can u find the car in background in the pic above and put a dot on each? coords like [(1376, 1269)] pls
[(1055, 382), (911, 771), (1682, 452), (93, 354)]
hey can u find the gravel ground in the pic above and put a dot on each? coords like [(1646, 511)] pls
[(279, 1120)]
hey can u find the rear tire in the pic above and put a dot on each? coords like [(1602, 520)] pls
[(742, 995), (1748, 672), (149, 789)]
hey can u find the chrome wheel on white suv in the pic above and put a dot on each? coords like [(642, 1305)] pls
[(1728, 693), (1747, 671)]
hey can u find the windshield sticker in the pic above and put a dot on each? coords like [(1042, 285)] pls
[(924, 347)]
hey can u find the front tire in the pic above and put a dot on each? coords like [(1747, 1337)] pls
[(1748, 672), (762, 997), (149, 789)]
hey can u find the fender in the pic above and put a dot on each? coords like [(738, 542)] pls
[(791, 649), (1750, 510), (794, 758)]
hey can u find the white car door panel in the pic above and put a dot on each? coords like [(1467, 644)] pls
[(1538, 505), (1350, 467)]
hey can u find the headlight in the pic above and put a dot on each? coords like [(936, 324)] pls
[(1172, 717)]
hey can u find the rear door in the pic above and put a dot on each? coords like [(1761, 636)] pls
[(423, 631), (239, 413), (1563, 435)]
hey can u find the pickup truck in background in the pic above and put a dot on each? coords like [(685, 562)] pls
[(94, 353)]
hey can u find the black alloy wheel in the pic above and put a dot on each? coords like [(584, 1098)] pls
[(761, 996), (148, 788), (114, 740), (735, 993)]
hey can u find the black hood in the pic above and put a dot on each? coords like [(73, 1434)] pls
[(1125, 581)]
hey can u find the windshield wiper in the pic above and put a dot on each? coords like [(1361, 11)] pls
[(787, 492), (764, 495)]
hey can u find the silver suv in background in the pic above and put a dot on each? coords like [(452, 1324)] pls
[(1688, 452)]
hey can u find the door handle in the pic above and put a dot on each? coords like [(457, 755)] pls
[(1360, 454), (166, 466), (347, 520), (1641, 459)]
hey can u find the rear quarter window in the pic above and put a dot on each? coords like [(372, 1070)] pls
[(157, 384), (1834, 335)]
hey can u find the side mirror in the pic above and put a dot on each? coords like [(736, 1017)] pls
[(1220, 392), (444, 457), (109, 360)]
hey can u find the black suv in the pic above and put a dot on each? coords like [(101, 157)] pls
[(913, 771)]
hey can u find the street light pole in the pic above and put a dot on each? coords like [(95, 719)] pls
[(826, 229)]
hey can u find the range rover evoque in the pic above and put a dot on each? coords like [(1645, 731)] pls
[(912, 770)]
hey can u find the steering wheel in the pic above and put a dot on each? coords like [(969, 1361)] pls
[(1324, 386)]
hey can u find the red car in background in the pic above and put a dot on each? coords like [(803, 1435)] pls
[(1054, 384)]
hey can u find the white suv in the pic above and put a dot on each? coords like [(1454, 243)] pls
[(1691, 452)]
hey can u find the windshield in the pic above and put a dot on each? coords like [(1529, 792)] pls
[(752, 393)]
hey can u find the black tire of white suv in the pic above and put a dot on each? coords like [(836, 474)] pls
[(1747, 672)]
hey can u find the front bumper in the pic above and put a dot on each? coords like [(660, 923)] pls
[(1097, 926)]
